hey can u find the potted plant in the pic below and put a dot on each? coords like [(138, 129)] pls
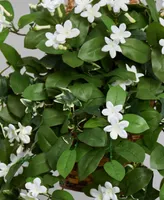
[(87, 113)]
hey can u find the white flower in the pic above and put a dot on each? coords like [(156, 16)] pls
[(81, 5), (99, 194), (161, 42), (4, 169), (91, 12), (55, 173), (122, 83), (24, 132), (112, 111), (105, 2), (51, 5), (66, 31), (28, 196), (161, 20), (111, 191), (112, 47), (120, 5), (120, 33), (52, 40), (11, 133), (36, 188), (134, 70), (3, 22), (117, 128)]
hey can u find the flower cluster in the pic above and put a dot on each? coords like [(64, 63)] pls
[(62, 33), (3, 22), (34, 189), (4, 169), (114, 116), (118, 36), (105, 193), (20, 135)]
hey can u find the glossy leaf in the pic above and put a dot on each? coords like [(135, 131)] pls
[(115, 170), (3, 35), (81, 150), (66, 162), (61, 195), (71, 59), (96, 122), (27, 19), (6, 116), (153, 10), (95, 137), (162, 192), (157, 158)]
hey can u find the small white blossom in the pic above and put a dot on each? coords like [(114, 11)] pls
[(36, 188), (55, 173), (99, 194), (161, 20), (112, 47), (11, 133), (4, 169), (111, 191), (134, 70), (66, 31), (28, 196), (3, 22), (122, 83), (52, 40), (91, 12), (119, 5), (120, 33), (112, 111), (105, 2), (81, 5), (24, 132), (117, 128), (161, 42), (51, 5)]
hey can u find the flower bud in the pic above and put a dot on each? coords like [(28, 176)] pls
[(33, 6), (5, 11), (38, 28), (131, 19), (60, 12)]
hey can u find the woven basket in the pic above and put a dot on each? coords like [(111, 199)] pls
[(72, 181)]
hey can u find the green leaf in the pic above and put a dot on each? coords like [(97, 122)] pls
[(83, 25), (5, 116), (3, 35), (115, 170), (153, 10), (49, 50), (108, 22), (116, 95), (33, 38), (58, 80), (83, 91), (132, 152), (136, 180), (7, 5), (137, 124), (5, 150), (157, 158), (147, 89), (50, 180), (11, 55), (3, 86), (61, 195), (155, 32), (158, 64), (96, 122), (19, 82), (81, 150), (52, 117), (46, 138), (38, 165), (95, 137), (53, 155), (136, 50), (66, 162), (162, 192), (91, 50), (35, 92), (15, 106), (71, 59), (89, 162), (27, 19)]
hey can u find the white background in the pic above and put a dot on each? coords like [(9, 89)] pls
[(21, 8)]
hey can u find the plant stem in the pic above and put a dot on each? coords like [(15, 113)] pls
[(111, 150), (21, 34), (4, 70)]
